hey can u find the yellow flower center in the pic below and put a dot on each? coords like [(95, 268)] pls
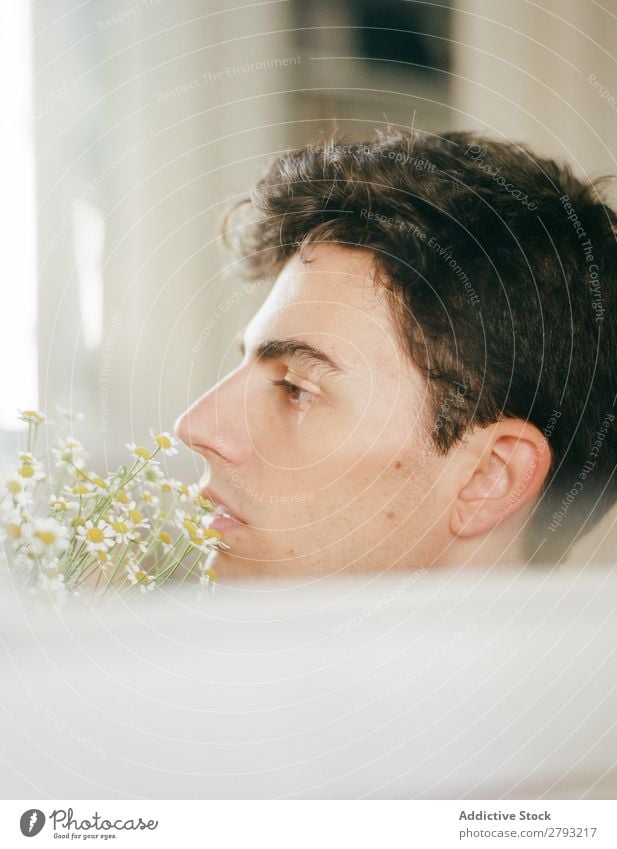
[(122, 497), (78, 520), (95, 535), (46, 537), (212, 533), (14, 487), (120, 527), (59, 505), (32, 416), (212, 573), (100, 482), (141, 576), (190, 526), (143, 453), (135, 516), (26, 471), (80, 490), (13, 530), (165, 538), (163, 441)]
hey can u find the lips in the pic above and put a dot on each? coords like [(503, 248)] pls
[(220, 507)]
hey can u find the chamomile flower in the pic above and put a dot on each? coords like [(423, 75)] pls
[(51, 582), (56, 527), (14, 485), (166, 541), (165, 442), (204, 505), (30, 470), (98, 482), (49, 538), (122, 497), (31, 416), (207, 575), (59, 504), (98, 537), (152, 473), (139, 577), (69, 452), (184, 492), (197, 533), (14, 527), (138, 451), (123, 533), (82, 489), (18, 491), (133, 517)]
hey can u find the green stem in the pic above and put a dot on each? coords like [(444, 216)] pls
[(116, 568)]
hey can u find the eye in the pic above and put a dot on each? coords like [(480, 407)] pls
[(298, 397)]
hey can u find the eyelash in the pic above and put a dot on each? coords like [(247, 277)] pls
[(290, 388)]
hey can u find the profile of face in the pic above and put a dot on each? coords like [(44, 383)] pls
[(317, 443)]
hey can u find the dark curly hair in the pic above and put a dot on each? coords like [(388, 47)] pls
[(500, 269)]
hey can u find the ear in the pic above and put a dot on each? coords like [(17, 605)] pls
[(505, 467)]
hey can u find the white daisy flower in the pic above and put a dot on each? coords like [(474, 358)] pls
[(49, 538), (52, 582), (31, 416), (133, 517), (183, 491), (166, 442), (14, 527), (83, 489), (123, 532), (97, 537), (98, 482), (207, 573), (166, 541), (18, 492), (138, 577), (198, 533), (30, 470), (138, 451), (69, 452), (153, 474), (150, 498), (58, 504)]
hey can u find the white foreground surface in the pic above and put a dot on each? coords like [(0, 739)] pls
[(454, 685)]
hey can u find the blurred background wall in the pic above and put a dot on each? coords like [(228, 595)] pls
[(130, 127)]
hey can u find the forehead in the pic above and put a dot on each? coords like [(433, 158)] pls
[(332, 301)]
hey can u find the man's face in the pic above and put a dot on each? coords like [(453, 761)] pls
[(332, 471)]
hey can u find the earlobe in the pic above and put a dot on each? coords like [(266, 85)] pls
[(510, 462)]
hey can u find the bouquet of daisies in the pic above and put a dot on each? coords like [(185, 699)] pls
[(67, 530)]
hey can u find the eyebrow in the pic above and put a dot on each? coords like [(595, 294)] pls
[(295, 349)]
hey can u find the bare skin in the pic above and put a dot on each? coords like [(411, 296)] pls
[(337, 472)]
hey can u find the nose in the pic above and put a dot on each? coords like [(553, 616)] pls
[(214, 422)]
